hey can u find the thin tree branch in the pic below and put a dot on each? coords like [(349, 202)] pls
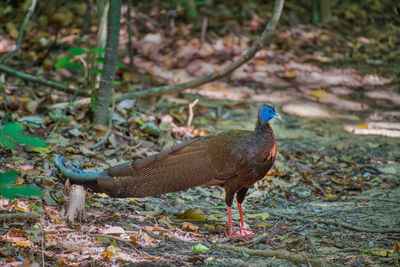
[(58, 86), (20, 33), (269, 28)]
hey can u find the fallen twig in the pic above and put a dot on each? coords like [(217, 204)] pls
[(281, 254), (190, 118), (129, 242), (374, 199), (255, 240), (334, 222), (26, 215), (55, 85)]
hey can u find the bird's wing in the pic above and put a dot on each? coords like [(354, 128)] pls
[(179, 167)]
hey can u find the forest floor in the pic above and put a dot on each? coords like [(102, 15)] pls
[(333, 196)]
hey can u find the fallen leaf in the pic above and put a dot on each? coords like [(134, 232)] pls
[(146, 238), (134, 239), (100, 130), (115, 231), (190, 226), (319, 93), (263, 215), (331, 196), (264, 225), (290, 74), (194, 214), (396, 246), (328, 249), (344, 145), (108, 253), (199, 249), (384, 186), (379, 252), (165, 219)]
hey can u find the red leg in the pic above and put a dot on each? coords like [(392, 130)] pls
[(228, 209), (243, 230)]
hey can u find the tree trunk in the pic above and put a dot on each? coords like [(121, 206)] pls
[(103, 98)]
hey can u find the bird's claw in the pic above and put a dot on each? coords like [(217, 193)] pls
[(243, 232), (246, 232)]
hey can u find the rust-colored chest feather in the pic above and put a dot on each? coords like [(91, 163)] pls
[(242, 157)]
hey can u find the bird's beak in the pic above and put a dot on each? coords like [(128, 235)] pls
[(277, 116)]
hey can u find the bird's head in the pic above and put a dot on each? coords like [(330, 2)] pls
[(266, 113)]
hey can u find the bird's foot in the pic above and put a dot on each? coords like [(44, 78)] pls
[(243, 232)]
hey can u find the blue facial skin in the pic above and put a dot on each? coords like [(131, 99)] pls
[(267, 113)]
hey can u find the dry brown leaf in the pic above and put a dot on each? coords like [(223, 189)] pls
[(194, 214), (396, 246), (319, 93), (100, 130), (344, 145), (262, 215), (330, 196), (190, 226), (114, 230), (291, 74)]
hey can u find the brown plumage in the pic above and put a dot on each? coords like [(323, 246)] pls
[(234, 159)]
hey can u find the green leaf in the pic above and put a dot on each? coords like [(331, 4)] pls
[(24, 190), (12, 128), (98, 50), (30, 141), (200, 2), (117, 82), (8, 177), (120, 65), (219, 207), (76, 51), (199, 249), (192, 12), (96, 71), (100, 60), (73, 66), (150, 128), (6, 142), (367, 251), (27, 191), (34, 207), (61, 63), (6, 192)]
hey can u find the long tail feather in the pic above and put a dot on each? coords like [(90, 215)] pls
[(76, 174)]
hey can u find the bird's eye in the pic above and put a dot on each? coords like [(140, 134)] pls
[(269, 111)]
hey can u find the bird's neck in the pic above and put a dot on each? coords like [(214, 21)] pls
[(263, 129)]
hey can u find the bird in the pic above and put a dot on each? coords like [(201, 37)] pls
[(234, 159)]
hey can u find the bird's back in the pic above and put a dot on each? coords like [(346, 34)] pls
[(203, 161)]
